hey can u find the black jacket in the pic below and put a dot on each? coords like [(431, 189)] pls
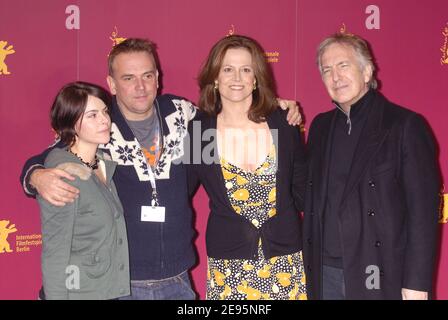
[(231, 236), (389, 208)]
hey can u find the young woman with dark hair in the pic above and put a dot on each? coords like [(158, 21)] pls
[(84, 250)]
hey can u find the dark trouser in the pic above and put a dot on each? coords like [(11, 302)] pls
[(175, 288), (333, 283)]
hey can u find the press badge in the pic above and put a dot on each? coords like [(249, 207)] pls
[(153, 214)]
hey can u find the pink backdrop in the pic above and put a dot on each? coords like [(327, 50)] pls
[(409, 41)]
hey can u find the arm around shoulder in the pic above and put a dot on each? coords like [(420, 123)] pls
[(32, 164)]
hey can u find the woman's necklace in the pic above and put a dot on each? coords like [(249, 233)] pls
[(92, 165)]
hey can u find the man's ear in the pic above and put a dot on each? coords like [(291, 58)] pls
[(111, 84), (368, 73)]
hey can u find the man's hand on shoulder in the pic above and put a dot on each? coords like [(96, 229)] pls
[(293, 117), (51, 187)]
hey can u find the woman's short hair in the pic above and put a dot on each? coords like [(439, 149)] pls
[(69, 106), (359, 45), (263, 102)]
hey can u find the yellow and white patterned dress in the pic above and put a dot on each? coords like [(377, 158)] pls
[(252, 195)]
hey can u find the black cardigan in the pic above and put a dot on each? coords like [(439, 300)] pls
[(231, 236)]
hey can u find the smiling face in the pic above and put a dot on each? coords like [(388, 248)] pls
[(94, 125), (345, 79), (134, 82), (236, 77)]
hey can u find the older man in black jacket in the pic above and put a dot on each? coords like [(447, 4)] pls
[(370, 226)]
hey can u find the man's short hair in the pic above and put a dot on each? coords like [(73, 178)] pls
[(128, 46)]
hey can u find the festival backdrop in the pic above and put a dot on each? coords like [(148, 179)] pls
[(45, 44)]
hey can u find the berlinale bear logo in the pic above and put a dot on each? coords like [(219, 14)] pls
[(4, 233), (115, 38), (4, 51)]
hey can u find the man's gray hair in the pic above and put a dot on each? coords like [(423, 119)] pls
[(360, 47)]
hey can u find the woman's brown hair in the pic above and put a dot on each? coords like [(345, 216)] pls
[(263, 102)]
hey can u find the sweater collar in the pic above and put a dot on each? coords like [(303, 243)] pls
[(357, 110)]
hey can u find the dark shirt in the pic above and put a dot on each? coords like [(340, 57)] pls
[(345, 137)]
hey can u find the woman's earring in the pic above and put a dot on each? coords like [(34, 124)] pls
[(216, 85), (255, 85)]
